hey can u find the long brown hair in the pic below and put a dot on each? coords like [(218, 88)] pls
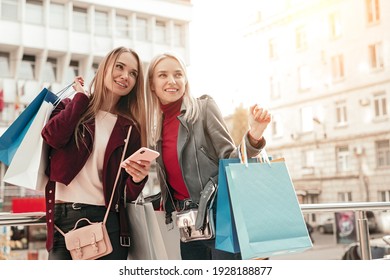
[(131, 106)]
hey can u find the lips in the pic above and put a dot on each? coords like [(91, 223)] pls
[(173, 90), (121, 84)]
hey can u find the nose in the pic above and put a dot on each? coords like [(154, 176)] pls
[(171, 79), (124, 75)]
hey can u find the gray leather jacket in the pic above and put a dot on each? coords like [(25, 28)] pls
[(200, 146)]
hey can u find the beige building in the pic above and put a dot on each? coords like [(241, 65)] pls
[(46, 43), (324, 67)]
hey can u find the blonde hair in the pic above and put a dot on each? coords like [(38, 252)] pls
[(131, 106), (154, 113)]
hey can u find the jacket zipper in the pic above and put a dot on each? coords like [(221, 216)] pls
[(214, 160), (83, 136)]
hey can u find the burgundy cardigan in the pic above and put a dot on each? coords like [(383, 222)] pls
[(66, 159)]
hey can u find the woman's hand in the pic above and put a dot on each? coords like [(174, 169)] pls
[(138, 170), (259, 118), (78, 85)]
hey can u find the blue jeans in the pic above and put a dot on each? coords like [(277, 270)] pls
[(65, 217), (205, 250)]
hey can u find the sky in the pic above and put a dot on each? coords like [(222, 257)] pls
[(216, 51)]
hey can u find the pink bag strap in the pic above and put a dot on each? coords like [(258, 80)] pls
[(117, 176)]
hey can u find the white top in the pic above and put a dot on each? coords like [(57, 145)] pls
[(87, 186)]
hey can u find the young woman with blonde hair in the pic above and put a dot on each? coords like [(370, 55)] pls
[(191, 136)]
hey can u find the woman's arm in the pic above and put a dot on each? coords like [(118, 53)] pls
[(61, 126)]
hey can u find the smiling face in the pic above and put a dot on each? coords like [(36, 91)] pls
[(169, 81), (121, 77)]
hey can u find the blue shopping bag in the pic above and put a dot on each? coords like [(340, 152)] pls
[(266, 210), (27, 168), (226, 235), (13, 136)]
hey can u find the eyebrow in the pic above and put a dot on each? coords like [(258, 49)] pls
[(124, 64), (164, 71)]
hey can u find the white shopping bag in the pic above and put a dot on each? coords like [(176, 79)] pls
[(27, 168), (150, 238)]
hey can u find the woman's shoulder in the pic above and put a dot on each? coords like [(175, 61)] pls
[(205, 97), (208, 103), (205, 100)]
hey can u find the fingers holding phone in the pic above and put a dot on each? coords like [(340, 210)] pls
[(138, 170), (138, 164)]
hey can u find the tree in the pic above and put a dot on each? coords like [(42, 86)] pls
[(239, 123)]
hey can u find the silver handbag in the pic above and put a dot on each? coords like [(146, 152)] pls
[(198, 223), (185, 221)]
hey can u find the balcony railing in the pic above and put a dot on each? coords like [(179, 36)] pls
[(360, 208)]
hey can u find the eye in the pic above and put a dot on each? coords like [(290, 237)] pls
[(119, 66), (162, 75), (179, 75), (134, 74)]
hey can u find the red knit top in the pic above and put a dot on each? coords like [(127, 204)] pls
[(169, 149)]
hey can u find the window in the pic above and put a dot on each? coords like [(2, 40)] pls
[(9, 9), (101, 23), (376, 56), (273, 52), (343, 158), (344, 196), (57, 15), (122, 28), (384, 196), (4, 65), (72, 70), (160, 32), (277, 126), (91, 73), (304, 76), (380, 105), (142, 29), (308, 158), (341, 113), (35, 11), (178, 35), (337, 67), (382, 153), (27, 68), (307, 119), (373, 11), (80, 19), (335, 25), (300, 38), (274, 88), (50, 70)]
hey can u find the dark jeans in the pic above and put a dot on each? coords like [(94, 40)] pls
[(205, 250), (65, 218)]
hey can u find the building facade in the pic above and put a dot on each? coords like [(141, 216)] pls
[(324, 67), (46, 43)]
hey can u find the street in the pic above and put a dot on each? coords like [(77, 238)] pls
[(324, 248)]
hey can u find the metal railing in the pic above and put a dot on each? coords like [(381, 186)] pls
[(360, 208)]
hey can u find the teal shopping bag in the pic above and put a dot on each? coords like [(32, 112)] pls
[(13, 136), (266, 210), (225, 228)]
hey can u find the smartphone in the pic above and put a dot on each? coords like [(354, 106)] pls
[(144, 154)]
